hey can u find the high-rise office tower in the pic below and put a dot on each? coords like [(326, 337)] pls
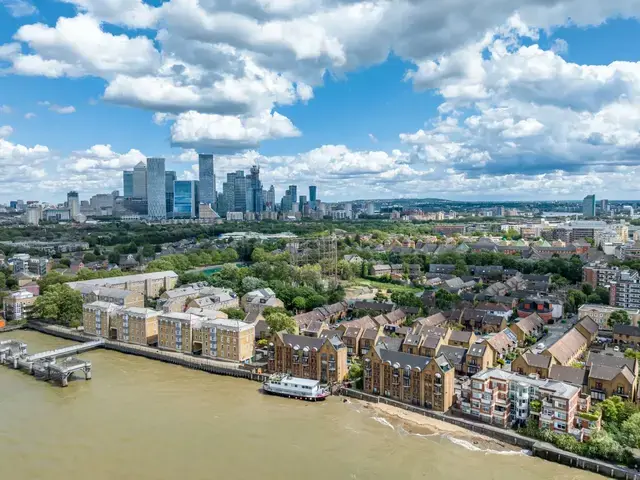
[(240, 192), (207, 182), (169, 178), (604, 205), (156, 188), (302, 203), (270, 199), (255, 200), (140, 181), (73, 202), (127, 183), (228, 192), (293, 191), (186, 201), (313, 191), (589, 206)]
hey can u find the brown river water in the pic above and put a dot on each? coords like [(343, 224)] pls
[(142, 419)]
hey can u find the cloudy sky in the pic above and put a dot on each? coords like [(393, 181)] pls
[(458, 99)]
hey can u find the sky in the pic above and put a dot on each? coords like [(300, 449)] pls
[(457, 99)]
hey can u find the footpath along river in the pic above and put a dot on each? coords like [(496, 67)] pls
[(140, 419)]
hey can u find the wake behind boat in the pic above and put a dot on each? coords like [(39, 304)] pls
[(293, 387)]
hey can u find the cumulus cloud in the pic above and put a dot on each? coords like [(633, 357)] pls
[(62, 110), (5, 109), (29, 115), (220, 133)]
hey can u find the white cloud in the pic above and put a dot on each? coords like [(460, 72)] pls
[(373, 138), (218, 132), (5, 109), (79, 46), (5, 131), (62, 110), (29, 115), (19, 8), (101, 158)]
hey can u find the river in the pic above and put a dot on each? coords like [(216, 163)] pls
[(140, 419)]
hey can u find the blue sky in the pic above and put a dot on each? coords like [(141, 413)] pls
[(371, 99)]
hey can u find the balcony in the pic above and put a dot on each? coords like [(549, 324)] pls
[(332, 366)]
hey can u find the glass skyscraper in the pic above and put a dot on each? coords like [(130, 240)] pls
[(589, 206), (169, 178), (207, 184), (156, 188), (255, 200), (127, 183), (186, 200), (240, 192), (140, 181), (313, 191)]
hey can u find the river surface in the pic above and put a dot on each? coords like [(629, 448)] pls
[(140, 419)]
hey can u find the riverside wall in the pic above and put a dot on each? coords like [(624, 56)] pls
[(538, 449)]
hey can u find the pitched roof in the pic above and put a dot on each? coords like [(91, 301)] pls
[(455, 355), (401, 359), (390, 343), (493, 307), (492, 320), (352, 331), (431, 341), (537, 361), (377, 306), (432, 320), (362, 322), (626, 330), (477, 349), (565, 373), (611, 360), (503, 341), (529, 324), (412, 340), (567, 346), (460, 336), (370, 333), (604, 372), (589, 325)]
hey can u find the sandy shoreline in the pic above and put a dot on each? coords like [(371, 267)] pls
[(417, 424)]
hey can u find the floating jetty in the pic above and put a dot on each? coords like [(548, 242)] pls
[(57, 365)]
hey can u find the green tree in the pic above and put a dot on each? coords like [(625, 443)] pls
[(315, 301), (630, 431), (3, 280), (148, 250), (380, 297), (446, 300), (619, 317), (50, 279), (461, 268), (405, 299), (278, 322), (345, 270), (250, 284), (234, 313), (575, 298), (59, 303), (587, 289), (89, 257), (603, 293), (299, 303), (66, 262)]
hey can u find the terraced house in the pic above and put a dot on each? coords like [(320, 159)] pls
[(150, 285), (323, 359), (136, 325), (417, 380)]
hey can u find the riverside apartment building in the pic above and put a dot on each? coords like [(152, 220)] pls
[(506, 399)]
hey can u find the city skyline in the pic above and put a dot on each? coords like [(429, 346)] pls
[(518, 104)]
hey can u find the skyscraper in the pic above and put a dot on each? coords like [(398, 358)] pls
[(127, 183), (140, 181), (228, 193), (255, 200), (589, 206), (73, 202), (313, 191), (169, 178), (293, 191), (240, 192), (207, 184), (186, 200), (156, 188), (270, 199)]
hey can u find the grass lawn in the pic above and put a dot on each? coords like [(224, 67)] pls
[(385, 286)]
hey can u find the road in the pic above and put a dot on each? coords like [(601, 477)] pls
[(556, 331)]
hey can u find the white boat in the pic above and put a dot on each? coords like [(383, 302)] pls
[(293, 387)]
